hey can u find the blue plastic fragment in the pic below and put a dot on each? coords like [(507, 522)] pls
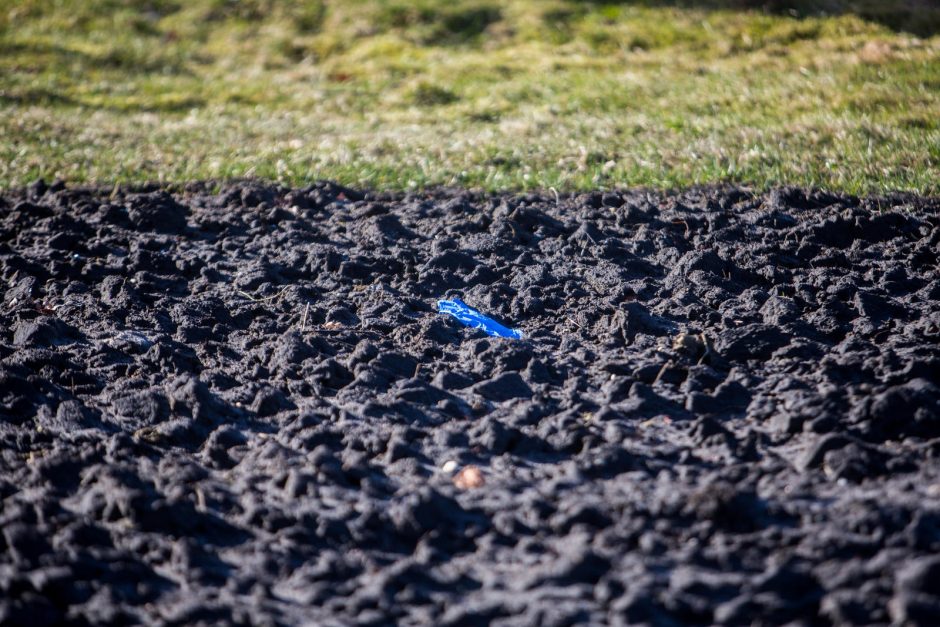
[(473, 318)]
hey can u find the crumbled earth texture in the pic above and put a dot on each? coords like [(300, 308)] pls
[(238, 404)]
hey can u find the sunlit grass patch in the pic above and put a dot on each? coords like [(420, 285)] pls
[(507, 95)]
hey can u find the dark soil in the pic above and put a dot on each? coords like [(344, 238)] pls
[(240, 407)]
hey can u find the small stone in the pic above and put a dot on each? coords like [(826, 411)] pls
[(449, 466), (469, 478)]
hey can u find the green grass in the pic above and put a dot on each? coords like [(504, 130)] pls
[(515, 94)]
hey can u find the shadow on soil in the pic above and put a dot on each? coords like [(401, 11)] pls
[(918, 17)]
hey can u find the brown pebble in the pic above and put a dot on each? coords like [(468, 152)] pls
[(469, 478)]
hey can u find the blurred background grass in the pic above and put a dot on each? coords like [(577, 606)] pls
[(512, 94)]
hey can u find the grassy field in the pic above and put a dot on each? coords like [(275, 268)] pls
[(517, 94)]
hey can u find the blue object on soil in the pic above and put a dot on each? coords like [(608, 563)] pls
[(473, 318)]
